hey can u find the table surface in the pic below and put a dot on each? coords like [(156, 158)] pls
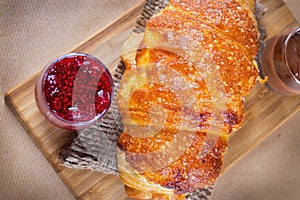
[(32, 33)]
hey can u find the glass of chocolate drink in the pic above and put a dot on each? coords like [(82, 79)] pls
[(280, 62)]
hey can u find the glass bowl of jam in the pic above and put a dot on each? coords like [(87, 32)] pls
[(74, 91), (280, 62)]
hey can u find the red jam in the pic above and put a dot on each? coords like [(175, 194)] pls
[(77, 89)]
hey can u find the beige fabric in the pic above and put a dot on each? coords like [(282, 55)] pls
[(34, 32)]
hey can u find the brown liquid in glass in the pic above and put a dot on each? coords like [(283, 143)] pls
[(293, 55), (280, 65)]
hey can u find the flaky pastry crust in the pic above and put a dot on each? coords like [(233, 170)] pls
[(226, 32)]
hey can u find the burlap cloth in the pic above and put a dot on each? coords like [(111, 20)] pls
[(34, 32)]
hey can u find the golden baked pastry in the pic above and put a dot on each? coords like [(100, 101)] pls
[(181, 95)]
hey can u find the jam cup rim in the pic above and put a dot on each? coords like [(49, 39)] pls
[(58, 121)]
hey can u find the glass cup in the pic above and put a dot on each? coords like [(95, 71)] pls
[(74, 91), (280, 62)]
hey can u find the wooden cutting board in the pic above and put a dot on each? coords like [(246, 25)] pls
[(266, 110)]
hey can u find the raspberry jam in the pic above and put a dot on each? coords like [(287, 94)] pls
[(74, 91)]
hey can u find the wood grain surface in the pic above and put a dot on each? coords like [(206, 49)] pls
[(266, 110)]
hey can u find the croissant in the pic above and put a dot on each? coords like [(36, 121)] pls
[(182, 94)]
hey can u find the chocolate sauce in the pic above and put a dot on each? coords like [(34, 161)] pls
[(280, 62), (293, 54)]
